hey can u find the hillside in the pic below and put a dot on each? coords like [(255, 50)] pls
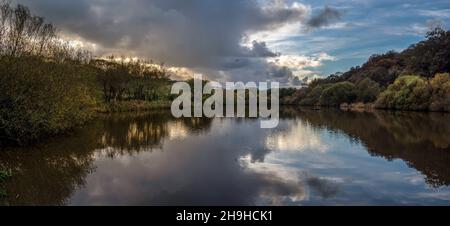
[(381, 80)]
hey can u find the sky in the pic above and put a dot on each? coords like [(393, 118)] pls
[(245, 40)]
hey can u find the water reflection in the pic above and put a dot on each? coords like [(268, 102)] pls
[(313, 158), (420, 139), (300, 136)]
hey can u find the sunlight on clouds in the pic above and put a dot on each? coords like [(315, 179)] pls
[(284, 31), (301, 65), (301, 61), (175, 73), (281, 33), (181, 73), (78, 43)]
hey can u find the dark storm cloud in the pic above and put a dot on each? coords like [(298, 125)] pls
[(324, 17), (186, 33), (199, 34), (247, 69), (260, 50), (280, 72)]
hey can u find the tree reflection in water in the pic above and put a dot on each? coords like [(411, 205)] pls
[(49, 173), (227, 164), (420, 139)]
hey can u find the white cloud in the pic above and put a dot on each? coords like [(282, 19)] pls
[(440, 13), (300, 61)]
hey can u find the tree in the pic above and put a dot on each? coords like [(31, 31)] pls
[(431, 56), (367, 91), (407, 93), (335, 95), (312, 97), (440, 98), (46, 87)]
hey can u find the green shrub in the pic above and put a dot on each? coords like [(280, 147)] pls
[(313, 97), (41, 98), (3, 193), (46, 86), (417, 93), (440, 98), (367, 91), (4, 175), (406, 93), (335, 95)]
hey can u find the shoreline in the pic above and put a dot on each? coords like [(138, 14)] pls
[(131, 106), (361, 107)]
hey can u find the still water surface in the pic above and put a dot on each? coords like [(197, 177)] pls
[(326, 157)]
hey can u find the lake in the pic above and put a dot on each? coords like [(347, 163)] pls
[(314, 157)]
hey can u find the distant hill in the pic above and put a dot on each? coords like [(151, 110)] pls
[(369, 82)]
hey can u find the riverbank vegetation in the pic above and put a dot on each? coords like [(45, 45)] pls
[(415, 79), (417, 93), (48, 85)]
